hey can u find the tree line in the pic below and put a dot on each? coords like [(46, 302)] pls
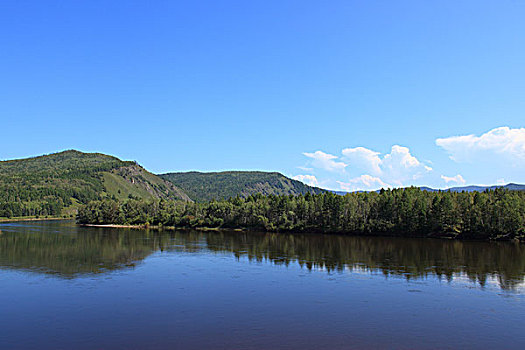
[(411, 212)]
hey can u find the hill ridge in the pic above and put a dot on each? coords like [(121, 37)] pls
[(203, 186), (57, 183)]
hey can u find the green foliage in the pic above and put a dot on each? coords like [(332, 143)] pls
[(497, 215), (52, 184), (223, 185)]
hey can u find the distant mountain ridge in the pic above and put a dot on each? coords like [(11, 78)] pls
[(57, 183), (510, 186), (221, 185), (472, 188)]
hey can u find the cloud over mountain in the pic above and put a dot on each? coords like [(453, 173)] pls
[(363, 182), (325, 161), (500, 142), (362, 168), (458, 179), (307, 179)]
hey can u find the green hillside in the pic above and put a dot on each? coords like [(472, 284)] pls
[(220, 185), (56, 184)]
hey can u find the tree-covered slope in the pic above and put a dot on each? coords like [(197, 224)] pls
[(409, 212), (220, 185), (55, 184)]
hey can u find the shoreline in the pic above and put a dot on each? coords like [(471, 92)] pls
[(157, 227), (33, 219), (218, 229)]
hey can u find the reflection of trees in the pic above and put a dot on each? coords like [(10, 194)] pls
[(68, 255), (412, 258), (69, 251), (74, 251)]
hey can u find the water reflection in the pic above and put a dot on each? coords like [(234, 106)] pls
[(411, 258), (68, 251)]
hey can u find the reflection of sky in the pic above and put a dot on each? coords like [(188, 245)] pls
[(461, 279), (31, 226), (492, 282), (107, 250)]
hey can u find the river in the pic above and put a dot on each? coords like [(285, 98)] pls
[(68, 287)]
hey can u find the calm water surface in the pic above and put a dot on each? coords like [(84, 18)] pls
[(68, 287)]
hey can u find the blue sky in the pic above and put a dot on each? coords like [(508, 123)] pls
[(342, 94)]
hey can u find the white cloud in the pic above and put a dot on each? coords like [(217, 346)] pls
[(325, 161), (397, 167), (363, 182), (368, 169), (458, 179), (500, 181), (307, 179), (498, 153), (400, 157), (499, 141), (364, 158)]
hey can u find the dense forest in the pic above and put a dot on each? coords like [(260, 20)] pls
[(203, 187), (57, 184), (494, 214)]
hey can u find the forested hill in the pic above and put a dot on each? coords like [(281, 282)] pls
[(56, 184), (222, 185)]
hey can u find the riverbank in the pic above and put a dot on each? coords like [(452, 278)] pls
[(18, 219), (158, 227), (488, 216), (446, 236)]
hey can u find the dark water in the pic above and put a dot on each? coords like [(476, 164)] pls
[(66, 287)]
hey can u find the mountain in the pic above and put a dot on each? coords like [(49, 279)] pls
[(511, 187), (219, 185), (56, 184)]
